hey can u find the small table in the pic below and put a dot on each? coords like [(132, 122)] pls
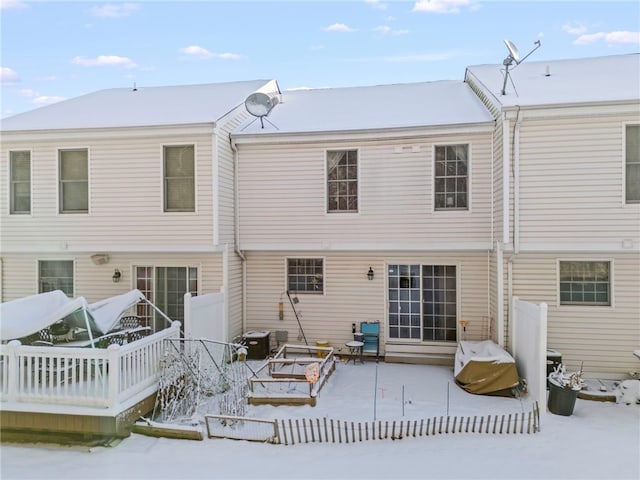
[(355, 351)]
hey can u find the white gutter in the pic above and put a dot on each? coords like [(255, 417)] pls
[(516, 213), (236, 217), (506, 155)]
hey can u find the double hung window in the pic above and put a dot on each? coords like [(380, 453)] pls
[(55, 275), (74, 180), (451, 177), (632, 163), (342, 181), (585, 283), (179, 178), (20, 184)]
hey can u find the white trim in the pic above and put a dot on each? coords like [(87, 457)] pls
[(608, 247), (326, 182), (587, 307), (56, 259), (306, 257), (195, 178), (361, 135), (375, 246), (506, 198), (57, 248), (17, 215), (467, 210), (59, 211), (624, 164)]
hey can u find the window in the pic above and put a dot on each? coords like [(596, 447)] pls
[(179, 178), (74, 181), (20, 165), (585, 283), (305, 275), (632, 163), (165, 287), (55, 275), (342, 181), (451, 177), (423, 302)]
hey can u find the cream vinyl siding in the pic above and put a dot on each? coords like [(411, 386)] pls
[(349, 297), (20, 272), (125, 197), (283, 197), (603, 337), (225, 180), (572, 184)]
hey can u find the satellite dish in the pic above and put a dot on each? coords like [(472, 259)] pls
[(514, 56), (513, 51), (260, 104)]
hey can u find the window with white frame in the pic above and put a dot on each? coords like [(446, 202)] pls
[(342, 181), (165, 287), (55, 275), (305, 275), (632, 163), (179, 178), (20, 183), (451, 179), (74, 180), (585, 283)]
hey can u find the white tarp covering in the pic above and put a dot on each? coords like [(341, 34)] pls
[(25, 316), (107, 312)]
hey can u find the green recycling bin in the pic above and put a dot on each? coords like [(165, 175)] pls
[(562, 400)]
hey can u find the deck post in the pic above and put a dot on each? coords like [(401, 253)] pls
[(113, 362), (12, 369)]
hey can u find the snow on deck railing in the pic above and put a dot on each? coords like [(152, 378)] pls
[(100, 378)]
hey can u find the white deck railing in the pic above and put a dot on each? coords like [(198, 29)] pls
[(36, 377)]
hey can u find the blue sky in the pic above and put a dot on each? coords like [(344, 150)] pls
[(57, 50)]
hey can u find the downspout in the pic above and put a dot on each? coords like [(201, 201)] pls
[(516, 217), (236, 218)]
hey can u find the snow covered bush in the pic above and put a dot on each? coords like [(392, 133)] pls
[(564, 379)]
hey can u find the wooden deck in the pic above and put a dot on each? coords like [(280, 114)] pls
[(70, 392)]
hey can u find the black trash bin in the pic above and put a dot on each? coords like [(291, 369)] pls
[(562, 400)]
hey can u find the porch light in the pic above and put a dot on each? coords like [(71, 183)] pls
[(116, 276), (370, 274)]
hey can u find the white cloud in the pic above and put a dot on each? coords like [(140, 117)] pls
[(387, 30), (8, 76), (610, 38), (12, 5), (111, 10), (27, 92), (44, 100), (377, 4), (200, 52), (442, 6), (104, 60), (574, 28), (339, 27), (196, 51)]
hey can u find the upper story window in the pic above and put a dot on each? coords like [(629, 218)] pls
[(55, 275), (74, 180), (451, 177), (342, 181), (20, 187), (632, 163), (585, 283), (179, 178), (305, 275)]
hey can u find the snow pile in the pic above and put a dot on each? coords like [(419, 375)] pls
[(628, 392)]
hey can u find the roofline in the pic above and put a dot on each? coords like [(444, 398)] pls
[(361, 134), (108, 132)]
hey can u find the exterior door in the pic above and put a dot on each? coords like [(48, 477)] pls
[(422, 302)]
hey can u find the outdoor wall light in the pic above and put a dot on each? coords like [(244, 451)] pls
[(116, 276), (370, 274)]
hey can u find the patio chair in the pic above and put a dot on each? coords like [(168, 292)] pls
[(371, 337)]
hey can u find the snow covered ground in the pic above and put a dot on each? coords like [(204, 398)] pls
[(600, 440)]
